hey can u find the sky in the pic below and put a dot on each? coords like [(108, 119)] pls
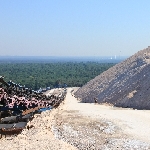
[(74, 27)]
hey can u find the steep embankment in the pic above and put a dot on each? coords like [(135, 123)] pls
[(126, 84)]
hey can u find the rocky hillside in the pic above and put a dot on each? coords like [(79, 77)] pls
[(126, 84)]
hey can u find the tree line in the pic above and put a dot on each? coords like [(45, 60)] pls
[(42, 75)]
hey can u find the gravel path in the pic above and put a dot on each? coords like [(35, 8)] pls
[(90, 126)]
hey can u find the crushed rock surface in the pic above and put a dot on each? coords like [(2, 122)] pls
[(74, 126), (87, 130)]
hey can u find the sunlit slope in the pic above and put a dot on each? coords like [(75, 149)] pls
[(126, 84)]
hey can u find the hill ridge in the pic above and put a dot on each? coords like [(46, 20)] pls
[(127, 84)]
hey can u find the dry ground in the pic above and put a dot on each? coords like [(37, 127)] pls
[(74, 125), (94, 126)]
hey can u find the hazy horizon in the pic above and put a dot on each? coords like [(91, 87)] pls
[(49, 59)]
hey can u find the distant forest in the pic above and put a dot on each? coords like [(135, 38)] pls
[(42, 75)]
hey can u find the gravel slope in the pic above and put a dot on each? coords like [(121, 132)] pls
[(127, 84)]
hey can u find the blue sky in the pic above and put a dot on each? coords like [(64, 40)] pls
[(74, 27)]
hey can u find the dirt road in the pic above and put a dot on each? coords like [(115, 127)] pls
[(133, 122), (103, 125)]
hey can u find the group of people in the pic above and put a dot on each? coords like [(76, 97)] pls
[(18, 98)]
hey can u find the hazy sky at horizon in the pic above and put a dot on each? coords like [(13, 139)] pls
[(73, 27)]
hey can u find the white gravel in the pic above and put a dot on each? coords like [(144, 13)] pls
[(90, 126)]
